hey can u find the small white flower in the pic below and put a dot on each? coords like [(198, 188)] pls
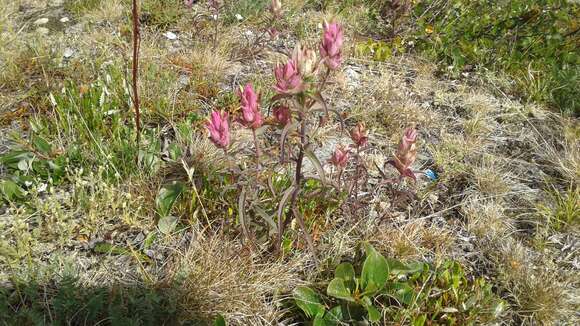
[(42, 187)]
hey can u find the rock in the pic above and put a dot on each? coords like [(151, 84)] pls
[(41, 21), (64, 20), (42, 30), (239, 17), (170, 36), (68, 52)]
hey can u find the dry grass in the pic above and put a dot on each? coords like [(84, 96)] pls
[(220, 276)]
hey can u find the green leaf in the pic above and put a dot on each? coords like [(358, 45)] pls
[(375, 271), (344, 271), (174, 151), (307, 300), (167, 197), (334, 315), (336, 288), (167, 224), (10, 190), (42, 145), (374, 313), (402, 292), (219, 321), (420, 321)]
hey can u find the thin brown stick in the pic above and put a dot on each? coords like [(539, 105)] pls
[(136, 45)]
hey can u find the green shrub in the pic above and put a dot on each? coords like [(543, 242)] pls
[(390, 291), (533, 41)]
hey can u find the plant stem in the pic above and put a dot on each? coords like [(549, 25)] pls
[(136, 45), (258, 153)]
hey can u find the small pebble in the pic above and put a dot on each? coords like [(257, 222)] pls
[(170, 36), (68, 52), (64, 20), (239, 17), (41, 21)]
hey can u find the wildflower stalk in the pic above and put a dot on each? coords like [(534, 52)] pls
[(135, 70)]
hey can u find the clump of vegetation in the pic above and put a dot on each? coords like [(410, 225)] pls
[(534, 42), (390, 291)]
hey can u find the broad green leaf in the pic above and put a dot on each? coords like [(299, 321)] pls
[(336, 288), (10, 190), (42, 145), (219, 321), (402, 292), (375, 271), (167, 197), (374, 313), (344, 271), (334, 315), (167, 224), (307, 300)]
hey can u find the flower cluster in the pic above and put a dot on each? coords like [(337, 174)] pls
[(331, 46), (406, 153)]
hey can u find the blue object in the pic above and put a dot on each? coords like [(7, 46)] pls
[(431, 174)]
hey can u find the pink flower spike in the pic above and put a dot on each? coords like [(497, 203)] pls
[(406, 153), (219, 129), (251, 115), (331, 45), (359, 135), (282, 115), (288, 78), (340, 156)]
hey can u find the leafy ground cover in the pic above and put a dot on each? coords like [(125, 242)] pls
[(411, 196)]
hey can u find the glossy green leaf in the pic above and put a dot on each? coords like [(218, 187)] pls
[(375, 271), (167, 197), (344, 271), (402, 292), (336, 288), (307, 300), (219, 321), (373, 313)]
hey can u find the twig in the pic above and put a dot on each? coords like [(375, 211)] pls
[(136, 45)]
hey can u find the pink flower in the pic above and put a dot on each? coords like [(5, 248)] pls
[(359, 135), (273, 33), (282, 115), (276, 8), (305, 59), (406, 153), (219, 129), (251, 116), (330, 47), (288, 79), (188, 3), (340, 156)]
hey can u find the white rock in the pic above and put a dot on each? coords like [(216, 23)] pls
[(239, 17), (64, 20), (68, 52), (42, 30), (170, 36), (41, 21)]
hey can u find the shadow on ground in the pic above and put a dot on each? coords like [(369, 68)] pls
[(67, 302)]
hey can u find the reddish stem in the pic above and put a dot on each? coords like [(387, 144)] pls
[(136, 45)]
